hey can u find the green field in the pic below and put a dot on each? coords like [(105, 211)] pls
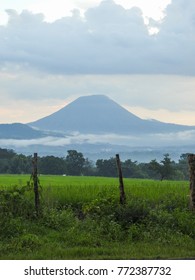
[(81, 218)]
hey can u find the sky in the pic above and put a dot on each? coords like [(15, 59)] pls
[(138, 53)]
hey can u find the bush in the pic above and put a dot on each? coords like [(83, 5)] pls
[(57, 219), (15, 202), (133, 212), (27, 241), (100, 207), (10, 227)]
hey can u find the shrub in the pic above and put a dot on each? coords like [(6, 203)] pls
[(27, 242), (100, 207), (15, 202), (10, 227), (57, 219), (132, 212)]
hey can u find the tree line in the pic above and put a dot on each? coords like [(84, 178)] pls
[(75, 164)]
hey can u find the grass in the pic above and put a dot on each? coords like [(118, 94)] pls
[(81, 218), (73, 188)]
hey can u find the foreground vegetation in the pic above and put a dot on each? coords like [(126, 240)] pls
[(81, 218)]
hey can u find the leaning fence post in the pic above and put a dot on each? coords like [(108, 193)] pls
[(121, 185), (191, 162), (36, 185)]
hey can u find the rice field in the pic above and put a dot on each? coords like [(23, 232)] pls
[(78, 187)]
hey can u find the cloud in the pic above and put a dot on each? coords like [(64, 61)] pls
[(155, 140), (176, 37), (179, 19), (108, 40)]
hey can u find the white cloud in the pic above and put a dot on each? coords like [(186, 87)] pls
[(53, 10), (111, 40)]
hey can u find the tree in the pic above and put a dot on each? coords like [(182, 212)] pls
[(5, 158), (89, 168), (106, 167), (131, 169), (155, 169), (51, 165), (20, 164), (167, 167), (74, 163), (6, 154), (164, 169), (183, 167)]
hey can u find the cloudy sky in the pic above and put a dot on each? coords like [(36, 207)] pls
[(139, 53)]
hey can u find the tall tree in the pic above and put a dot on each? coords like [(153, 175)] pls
[(183, 167), (106, 167), (74, 163), (164, 169), (51, 165), (167, 167), (131, 169)]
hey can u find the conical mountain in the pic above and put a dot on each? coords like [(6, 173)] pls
[(98, 114)]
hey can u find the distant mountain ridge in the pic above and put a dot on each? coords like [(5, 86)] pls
[(98, 114), (19, 131)]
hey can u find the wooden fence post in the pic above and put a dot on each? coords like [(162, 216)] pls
[(121, 185), (191, 162), (36, 185)]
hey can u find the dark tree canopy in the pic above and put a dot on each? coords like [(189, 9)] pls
[(75, 164)]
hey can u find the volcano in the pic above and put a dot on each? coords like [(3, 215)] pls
[(98, 114)]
